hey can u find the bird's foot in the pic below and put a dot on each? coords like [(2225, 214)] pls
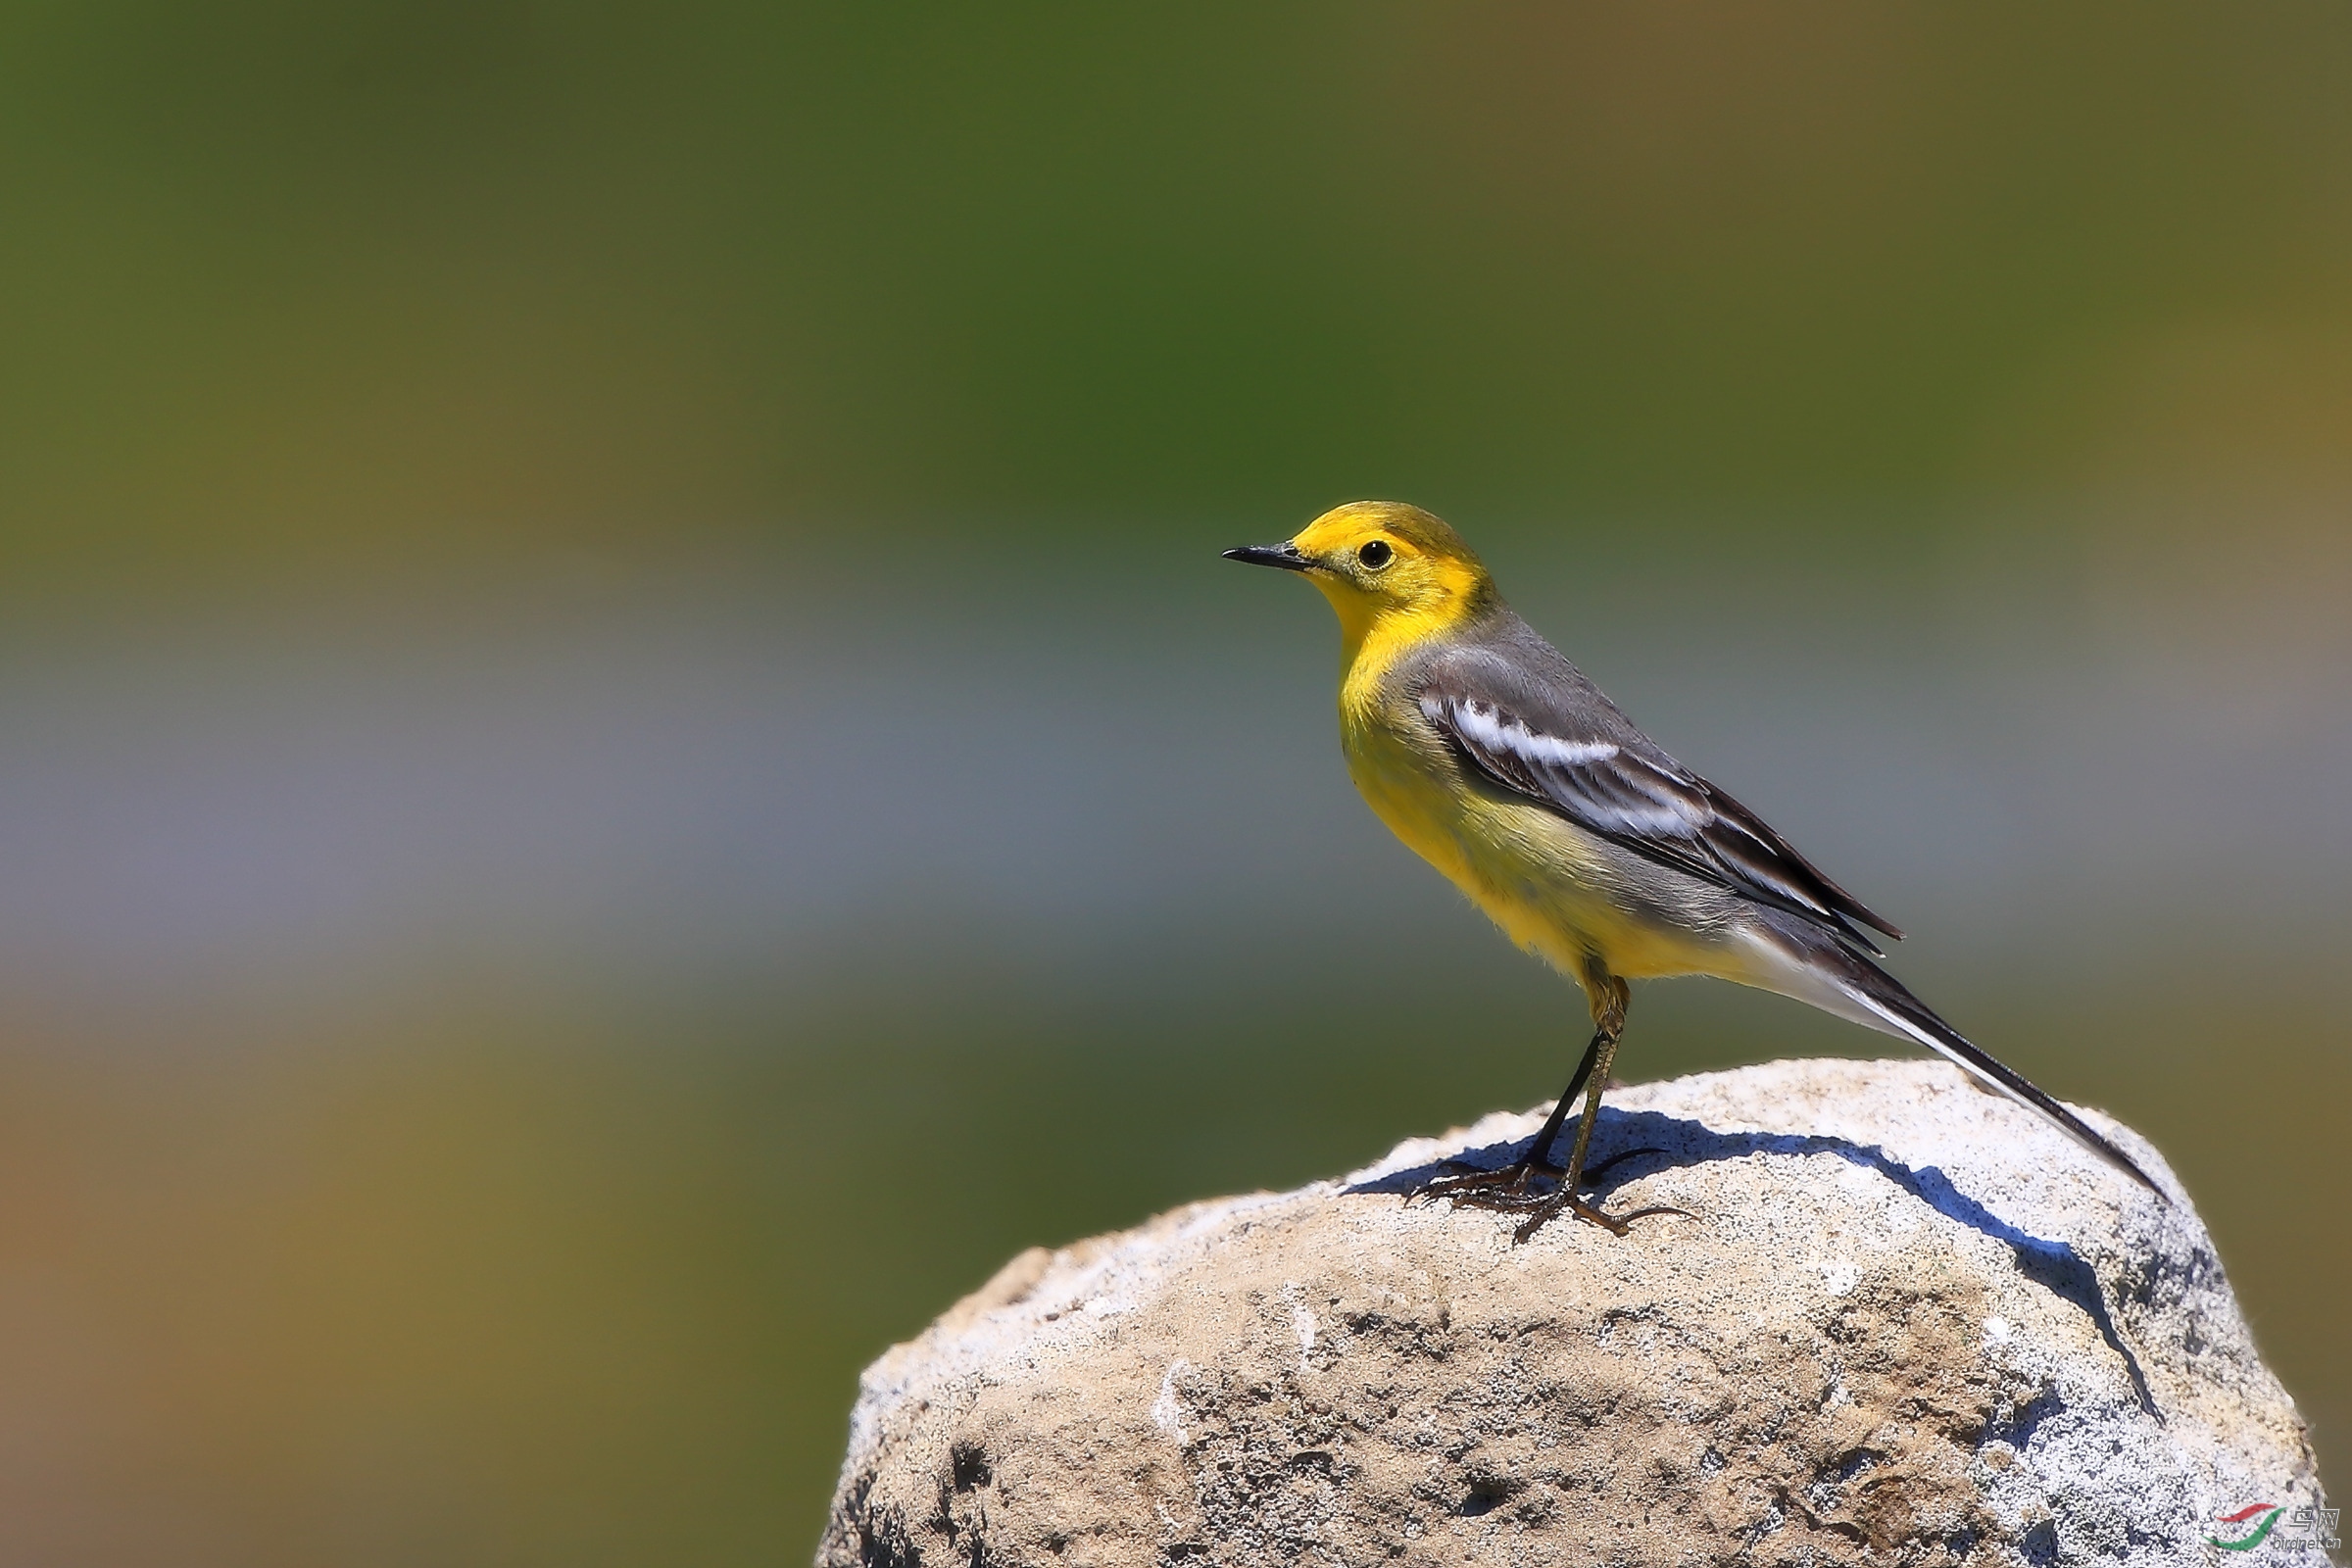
[(1511, 1190), (1505, 1187)]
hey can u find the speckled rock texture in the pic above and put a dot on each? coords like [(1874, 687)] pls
[(1903, 1323)]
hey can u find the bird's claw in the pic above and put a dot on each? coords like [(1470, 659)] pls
[(1478, 1186), (1506, 1190)]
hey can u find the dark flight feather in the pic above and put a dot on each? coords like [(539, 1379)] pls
[(1882, 994), (1528, 719)]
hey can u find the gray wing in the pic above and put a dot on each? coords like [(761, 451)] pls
[(1529, 721)]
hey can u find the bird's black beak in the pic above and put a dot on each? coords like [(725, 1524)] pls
[(1286, 555)]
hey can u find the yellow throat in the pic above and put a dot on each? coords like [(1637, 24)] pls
[(1396, 575)]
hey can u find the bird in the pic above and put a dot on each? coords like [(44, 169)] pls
[(1502, 766)]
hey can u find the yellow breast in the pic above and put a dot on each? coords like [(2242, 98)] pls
[(1552, 888)]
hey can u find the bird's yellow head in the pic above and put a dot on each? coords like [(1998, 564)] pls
[(1394, 572)]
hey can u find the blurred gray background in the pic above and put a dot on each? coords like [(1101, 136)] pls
[(626, 760)]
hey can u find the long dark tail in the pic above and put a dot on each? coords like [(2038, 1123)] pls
[(1875, 998)]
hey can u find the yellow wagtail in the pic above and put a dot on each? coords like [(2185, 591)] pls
[(1501, 765)]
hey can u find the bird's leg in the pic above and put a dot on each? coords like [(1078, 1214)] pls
[(1609, 996), (1565, 1197), (1612, 1018), (1512, 1179), (1507, 1188)]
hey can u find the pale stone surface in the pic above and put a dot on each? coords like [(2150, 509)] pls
[(1904, 1323)]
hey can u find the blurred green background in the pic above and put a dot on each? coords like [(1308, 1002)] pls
[(626, 760)]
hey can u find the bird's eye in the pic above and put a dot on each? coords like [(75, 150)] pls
[(1375, 554)]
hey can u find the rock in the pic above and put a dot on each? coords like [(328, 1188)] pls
[(1904, 1322)]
